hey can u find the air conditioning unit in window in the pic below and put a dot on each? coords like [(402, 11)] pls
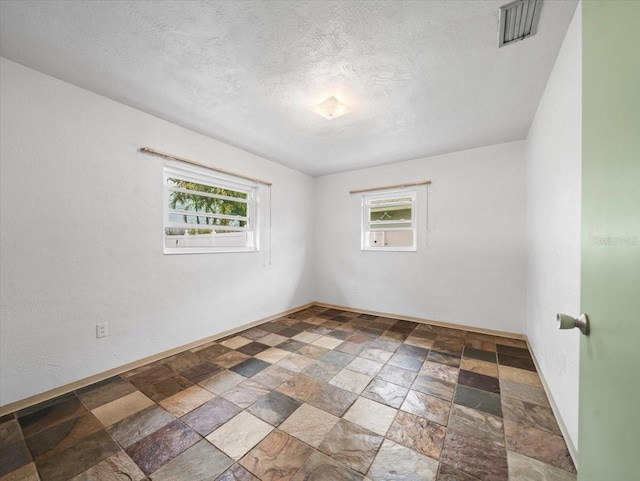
[(377, 239)]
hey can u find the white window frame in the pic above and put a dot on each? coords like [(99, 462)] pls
[(250, 234), (370, 201)]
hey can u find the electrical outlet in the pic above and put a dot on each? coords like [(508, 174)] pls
[(101, 330)]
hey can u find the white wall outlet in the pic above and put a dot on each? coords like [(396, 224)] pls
[(101, 330)]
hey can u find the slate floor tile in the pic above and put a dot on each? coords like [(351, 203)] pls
[(476, 399), (237, 436), (398, 463), (351, 445), (274, 408), (211, 415), (417, 433)]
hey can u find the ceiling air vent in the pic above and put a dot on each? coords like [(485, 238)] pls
[(518, 20)]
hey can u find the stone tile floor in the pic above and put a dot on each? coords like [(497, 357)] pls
[(322, 394)]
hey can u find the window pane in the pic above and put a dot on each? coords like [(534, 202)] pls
[(183, 184), (203, 220), (391, 238), (387, 213), (200, 203), (176, 238)]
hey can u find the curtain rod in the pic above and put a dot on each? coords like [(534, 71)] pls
[(394, 186), (151, 151)]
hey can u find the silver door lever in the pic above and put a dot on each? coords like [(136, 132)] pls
[(567, 322)]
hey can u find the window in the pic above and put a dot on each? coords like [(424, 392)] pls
[(389, 221), (206, 212)]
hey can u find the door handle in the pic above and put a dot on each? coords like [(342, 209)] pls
[(567, 322)]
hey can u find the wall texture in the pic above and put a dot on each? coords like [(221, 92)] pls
[(470, 264), (71, 181), (554, 157)]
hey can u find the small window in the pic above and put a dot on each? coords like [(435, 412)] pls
[(389, 221), (208, 213)]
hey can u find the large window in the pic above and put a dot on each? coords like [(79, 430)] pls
[(208, 213), (389, 220)]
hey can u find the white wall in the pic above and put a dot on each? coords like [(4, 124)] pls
[(473, 270), (71, 174), (554, 157)]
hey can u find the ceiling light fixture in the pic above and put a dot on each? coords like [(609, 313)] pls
[(331, 108)]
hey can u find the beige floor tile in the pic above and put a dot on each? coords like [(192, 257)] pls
[(222, 382), (480, 367), (309, 424), (239, 435), (272, 355), (522, 376), (327, 342), (27, 472), (186, 401), (273, 339), (236, 342), (351, 381), (121, 408), (371, 415), (307, 337), (523, 468), (295, 362)]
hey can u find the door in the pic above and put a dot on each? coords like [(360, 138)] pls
[(609, 416)]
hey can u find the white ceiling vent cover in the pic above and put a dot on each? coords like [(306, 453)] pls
[(518, 20)]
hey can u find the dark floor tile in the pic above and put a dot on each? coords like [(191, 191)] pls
[(61, 436), (302, 326), (237, 473), (289, 332), (13, 450), (50, 413), (413, 351), (449, 346), (250, 367), (513, 351), (211, 415), (361, 338), (405, 362), (166, 387), (444, 358), (479, 381), (475, 457), (339, 359), (519, 362), (153, 374), (332, 399), (201, 371), (61, 466), (338, 334), (368, 317), (103, 392), (291, 345), (481, 400), (159, 447), (447, 473), (274, 408), (139, 425), (182, 362), (341, 318), (253, 348), (212, 353), (479, 354)]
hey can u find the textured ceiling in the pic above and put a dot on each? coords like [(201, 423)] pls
[(422, 77)]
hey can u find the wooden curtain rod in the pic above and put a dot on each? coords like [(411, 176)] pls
[(387, 187), (149, 150)]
